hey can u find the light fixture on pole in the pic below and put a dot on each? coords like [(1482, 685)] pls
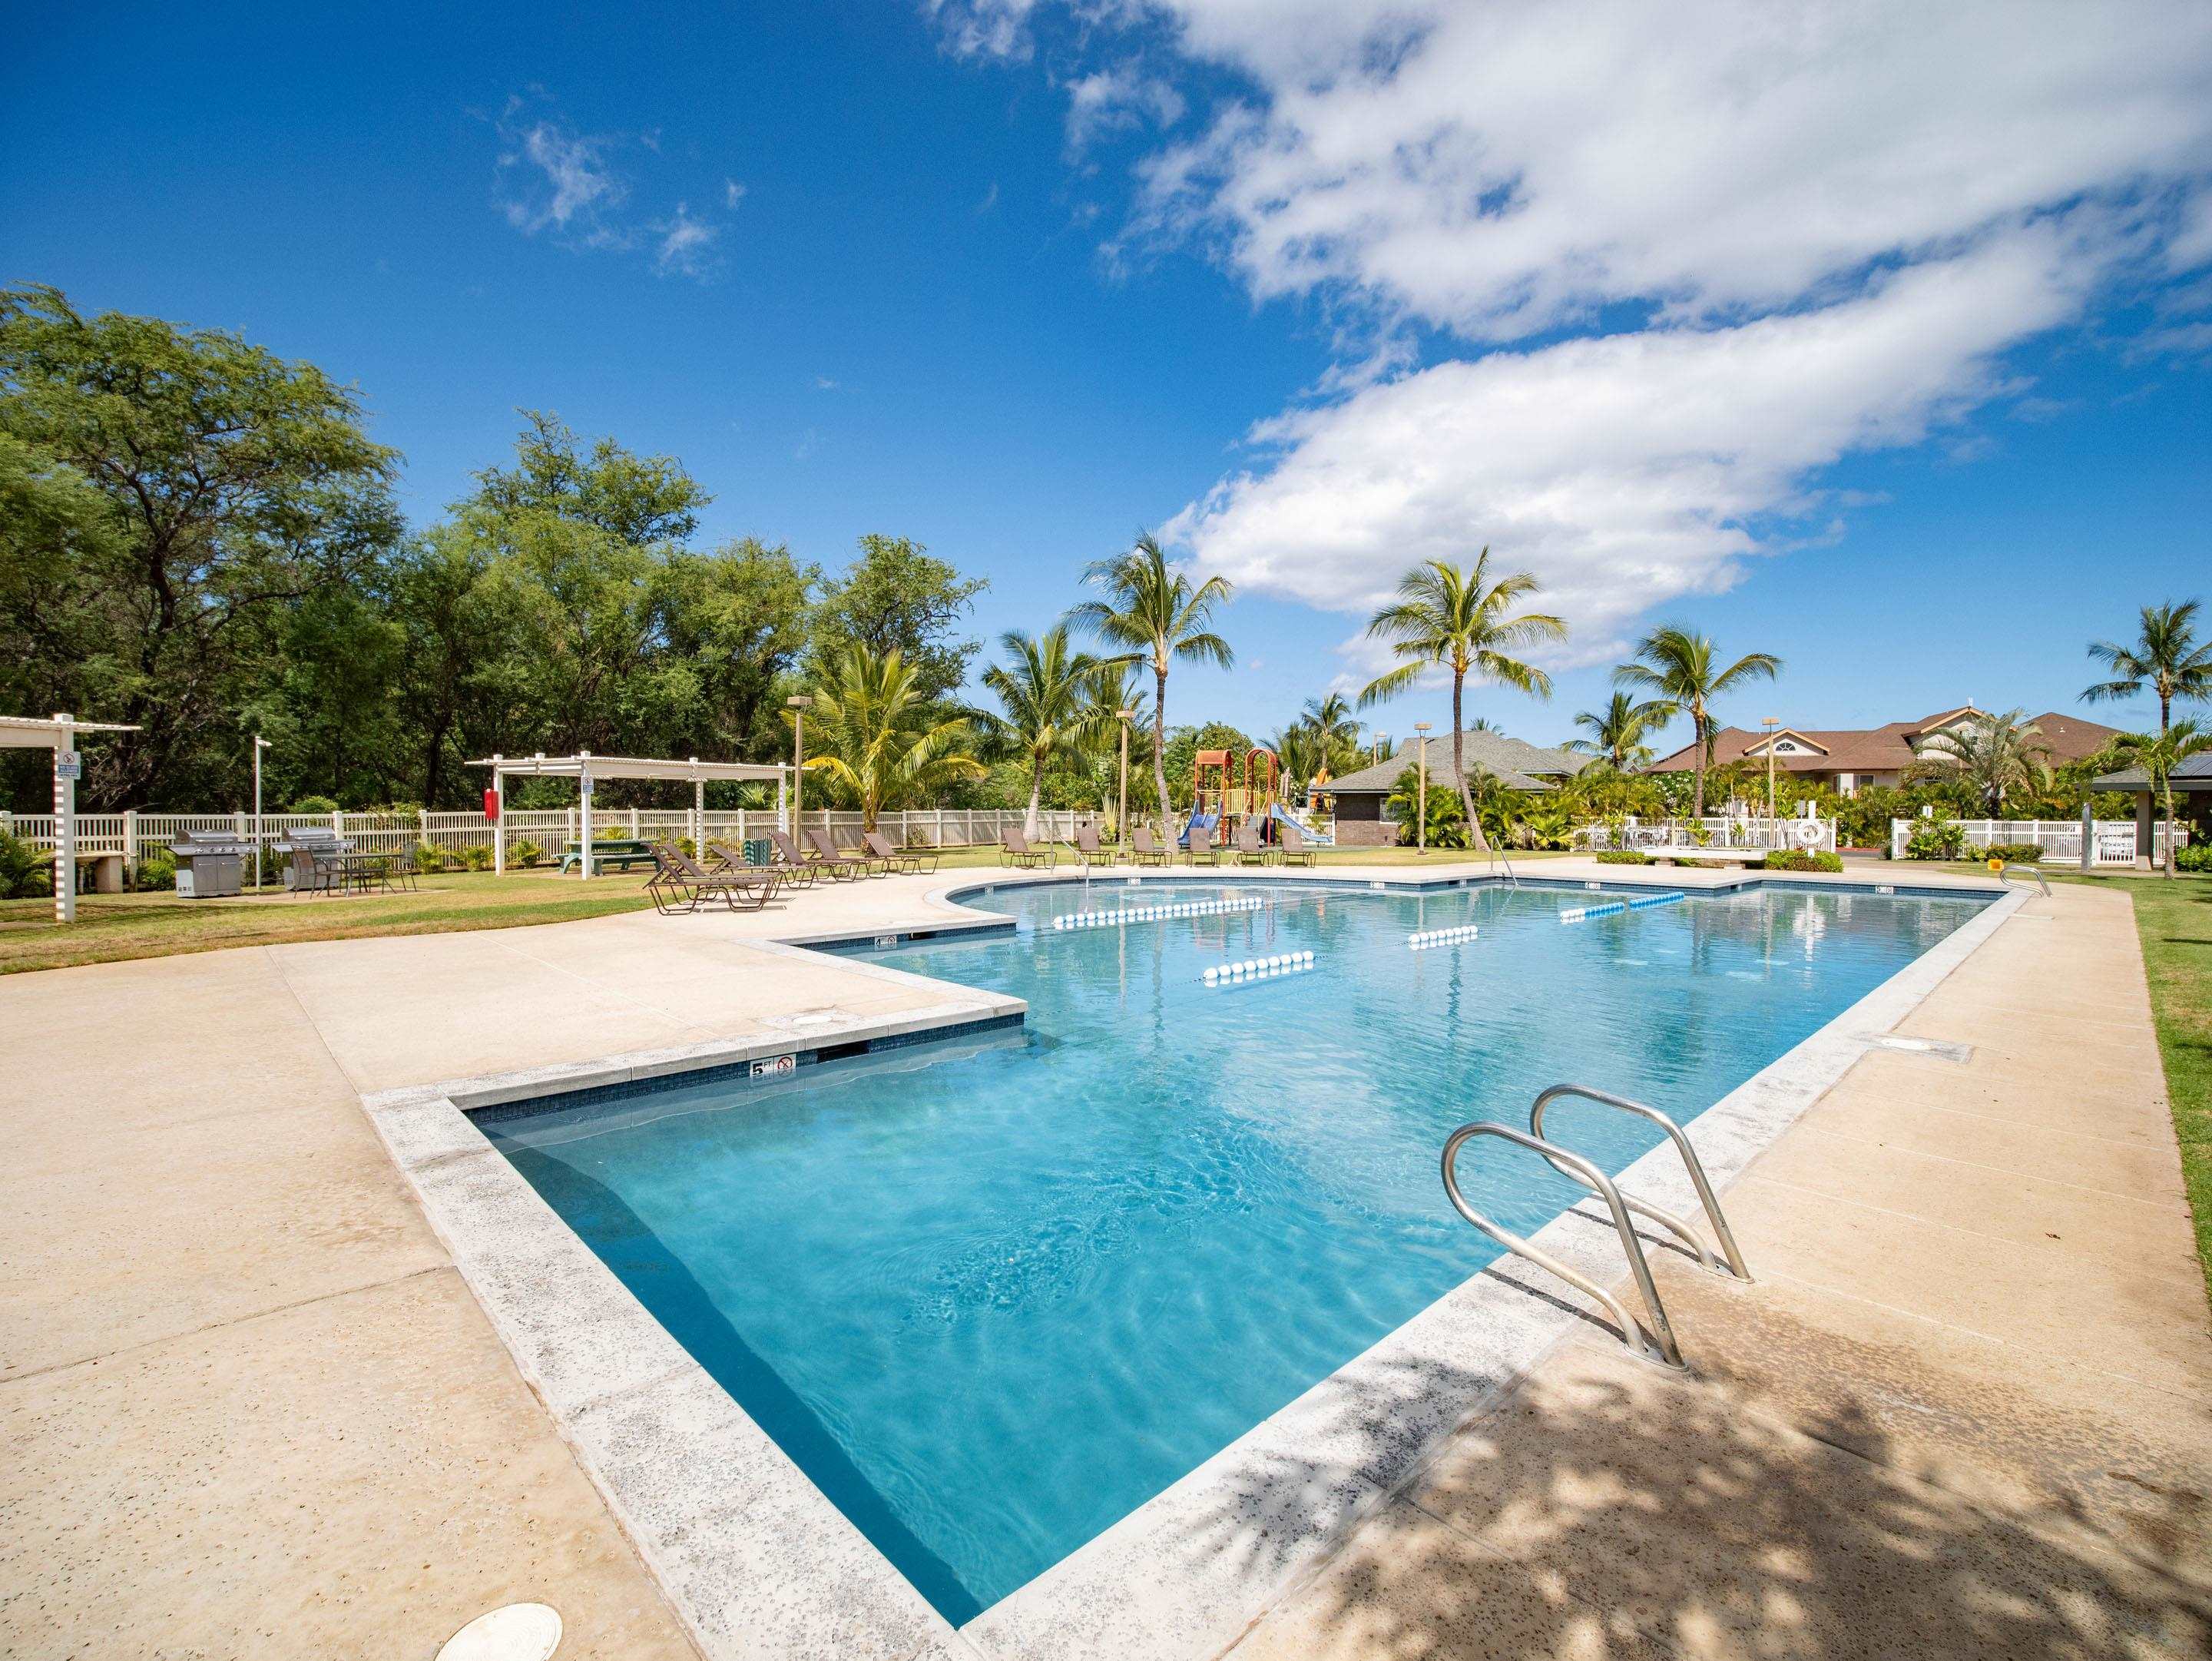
[(1121, 792), (259, 744), (1770, 722), (1421, 802), (799, 703)]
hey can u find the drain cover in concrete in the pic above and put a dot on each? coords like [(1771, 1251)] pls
[(519, 1632)]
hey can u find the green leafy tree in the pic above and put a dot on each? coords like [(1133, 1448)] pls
[(897, 597), (1681, 668), (2159, 754), (2167, 657), (233, 484), (1113, 689), (1462, 622), (880, 737), (1992, 758), (1617, 732), (1159, 616), (1046, 713)]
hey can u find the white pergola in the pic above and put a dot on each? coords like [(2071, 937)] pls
[(58, 733), (588, 769)]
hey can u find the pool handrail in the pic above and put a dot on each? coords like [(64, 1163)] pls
[(2008, 873), (1652, 1342), (1734, 1265)]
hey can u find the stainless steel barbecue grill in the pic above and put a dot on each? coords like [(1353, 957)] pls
[(209, 865)]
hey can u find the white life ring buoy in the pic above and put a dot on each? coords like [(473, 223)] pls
[(1808, 833)]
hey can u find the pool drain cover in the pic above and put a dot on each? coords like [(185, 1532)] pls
[(519, 1632)]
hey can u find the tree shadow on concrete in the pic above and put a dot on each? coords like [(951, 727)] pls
[(1605, 1507)]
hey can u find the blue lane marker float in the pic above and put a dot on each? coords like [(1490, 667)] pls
[(1258, 969), (1130, 914), (1429, 938), (1614, 908), (1656, 900)]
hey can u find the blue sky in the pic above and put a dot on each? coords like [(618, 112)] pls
[(1319, 289)]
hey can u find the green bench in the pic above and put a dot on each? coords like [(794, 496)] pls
[(620, 855)]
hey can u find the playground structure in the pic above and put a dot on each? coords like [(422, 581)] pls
[(1218, 806)]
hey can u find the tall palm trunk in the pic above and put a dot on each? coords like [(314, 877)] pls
[(1036, 792), (1160, 742), (1705, 752), (1459, 763)]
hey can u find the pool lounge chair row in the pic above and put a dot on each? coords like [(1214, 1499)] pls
[(1015, 849)]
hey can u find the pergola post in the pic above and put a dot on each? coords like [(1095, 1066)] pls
[(65, 818), (584, 839), (698, 815)]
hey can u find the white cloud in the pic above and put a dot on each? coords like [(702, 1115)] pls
[(1631, 469), (733, 193), (1503, 170), (984, 28), (1115, 100), (686, 245), (555, 178)]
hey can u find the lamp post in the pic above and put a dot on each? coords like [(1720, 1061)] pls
[(799, 703), (1421, 802), (1770, 722), (1121, 791), (259, 744)]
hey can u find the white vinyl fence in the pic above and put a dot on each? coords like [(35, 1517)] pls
[(135, 836), (2113, 840), (1719, 830)]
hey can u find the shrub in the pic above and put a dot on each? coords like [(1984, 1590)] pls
[(1800, 858), (24, 871), (157, 869), (2014, 853), (428, 857), (525, 854), (477, 856), (1623, 856), (1936, 839), (2194, 856), (315, 804)]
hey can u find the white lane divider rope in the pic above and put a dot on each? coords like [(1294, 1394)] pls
[(1429, 938), (1155, 913), (1258, 969)]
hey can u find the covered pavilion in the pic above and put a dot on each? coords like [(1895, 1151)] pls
[(58, 733), (588, 770)]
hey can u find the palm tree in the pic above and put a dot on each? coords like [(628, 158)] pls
[(1617, 732), (1329, 718), (1677, 666), (1303, 753), (880, 737), (1459, 620), (1046, 695), (1993, 756), (2166, 657), (2158, 754), (1158, 614)]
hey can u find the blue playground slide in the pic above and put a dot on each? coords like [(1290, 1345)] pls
[(1204, 822)]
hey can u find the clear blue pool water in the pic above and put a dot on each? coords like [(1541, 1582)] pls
[(994, 1293)]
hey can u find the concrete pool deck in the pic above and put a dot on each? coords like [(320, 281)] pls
[(247, 1393)]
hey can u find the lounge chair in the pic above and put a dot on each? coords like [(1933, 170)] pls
[(789, 865), (834, 860), (678, 884), (896, 859), (729, 860), (797, 859), (1144, 849), (1087, 849), (1014, 849), (1199, 847), (1293, 849), (1250, 851)]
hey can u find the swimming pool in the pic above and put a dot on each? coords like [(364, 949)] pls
[(992, 1295)]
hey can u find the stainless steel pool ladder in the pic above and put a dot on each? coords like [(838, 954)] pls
[(1653, 1340), (2013, 873)]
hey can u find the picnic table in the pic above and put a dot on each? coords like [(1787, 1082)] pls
[(622, 855)]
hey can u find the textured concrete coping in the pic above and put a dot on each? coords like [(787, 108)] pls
[(760, 1563)]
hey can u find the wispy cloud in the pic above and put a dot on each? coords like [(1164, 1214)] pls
[(553, 180)]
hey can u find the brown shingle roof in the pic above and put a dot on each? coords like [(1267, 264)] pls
[(1881, 748), (1516, 764)]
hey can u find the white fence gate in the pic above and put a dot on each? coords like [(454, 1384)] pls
[(2113, 841)]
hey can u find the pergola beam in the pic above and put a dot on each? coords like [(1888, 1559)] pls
[(57, 733), (588, 769)]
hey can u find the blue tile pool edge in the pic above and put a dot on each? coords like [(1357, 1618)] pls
[(758, 1562)]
